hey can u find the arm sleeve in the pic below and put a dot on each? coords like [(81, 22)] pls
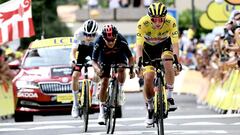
[(174, 31), (140, 33), (126, 49), (96, 52)]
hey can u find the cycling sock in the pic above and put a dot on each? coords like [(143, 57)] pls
[(120, 86), (94, 86), (150, 104), (75, 97), (169, 91), (101, 108)]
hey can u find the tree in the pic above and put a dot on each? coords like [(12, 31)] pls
[(185, 21)]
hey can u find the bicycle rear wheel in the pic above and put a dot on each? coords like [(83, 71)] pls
[(111, 108), (86, 106)]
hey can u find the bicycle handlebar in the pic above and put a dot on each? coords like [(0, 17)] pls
[(84, 65), (116, 66)]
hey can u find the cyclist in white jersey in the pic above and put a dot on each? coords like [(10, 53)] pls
[(83, 43)]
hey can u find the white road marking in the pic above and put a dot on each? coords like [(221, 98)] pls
[(52, 127), (11, 129), (134, 108), (174, 132), (202, 123), (122, 119), (143, 124)]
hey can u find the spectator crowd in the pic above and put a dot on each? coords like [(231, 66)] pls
[(215, 59)]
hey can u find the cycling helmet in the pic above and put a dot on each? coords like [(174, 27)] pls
[(90, 26), (157, 10), (109, 31)]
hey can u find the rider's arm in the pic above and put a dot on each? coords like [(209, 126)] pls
[(95, 57), (76, 41), (73, 54), (175, 37), (139, 39)]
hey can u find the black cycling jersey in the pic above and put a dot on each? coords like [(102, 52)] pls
[(83, 52), (118, 54)]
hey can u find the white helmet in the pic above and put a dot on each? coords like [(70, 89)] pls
[(90, 26)]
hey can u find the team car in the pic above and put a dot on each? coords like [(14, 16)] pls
[(43, 84)]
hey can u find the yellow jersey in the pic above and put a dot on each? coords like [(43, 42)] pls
[(147, 33)]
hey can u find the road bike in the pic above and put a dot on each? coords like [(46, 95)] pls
[(161, 105), (85, 99), (112, 102)]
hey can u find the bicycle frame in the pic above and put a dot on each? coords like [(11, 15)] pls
[(112, 101), (85, 98), (160, 98)]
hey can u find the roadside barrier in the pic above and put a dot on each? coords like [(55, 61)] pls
[(221, 96), (6, 99)]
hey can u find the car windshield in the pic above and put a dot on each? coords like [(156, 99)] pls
[(52, 56)]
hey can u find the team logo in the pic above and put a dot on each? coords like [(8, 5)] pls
[(139, 26), (148, 33), (175, 33), (174, 25), (139, 35), (146, 23)]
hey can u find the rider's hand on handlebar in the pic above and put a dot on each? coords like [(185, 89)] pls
[(177, 69), (73, 62), (99, 72), (139, 72), (131, 73)]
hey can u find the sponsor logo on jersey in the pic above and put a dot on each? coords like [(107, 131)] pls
[(174, 25), (146, 23), (139, 26)]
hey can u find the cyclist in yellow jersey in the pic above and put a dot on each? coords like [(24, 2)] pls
[(157, 37)]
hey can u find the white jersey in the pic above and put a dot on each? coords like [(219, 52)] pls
[(78, 38)]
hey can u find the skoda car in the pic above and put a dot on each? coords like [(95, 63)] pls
[(43, 84)]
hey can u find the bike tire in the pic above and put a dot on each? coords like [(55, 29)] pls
[(160, 110), (86, 106), (111, 111)]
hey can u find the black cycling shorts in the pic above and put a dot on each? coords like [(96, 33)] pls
[(151, 52)]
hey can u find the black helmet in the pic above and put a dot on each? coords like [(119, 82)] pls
[(109, 31)]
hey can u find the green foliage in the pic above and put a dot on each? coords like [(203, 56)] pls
[(166, 2), (185, 21), (2, 1)]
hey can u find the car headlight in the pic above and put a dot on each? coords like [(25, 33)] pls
[(26, 84)]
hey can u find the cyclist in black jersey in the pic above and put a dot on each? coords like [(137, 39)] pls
[(110, 48), (83, 45)]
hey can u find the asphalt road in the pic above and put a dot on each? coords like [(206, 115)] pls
[(189, 119)]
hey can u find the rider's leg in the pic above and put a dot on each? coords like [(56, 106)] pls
[(75, 91), (149, 93), (121, 79), (94, 86), (102, 98), (169, 75)]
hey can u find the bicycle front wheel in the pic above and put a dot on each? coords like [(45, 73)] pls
[(111, 110), (160, 112), (86, 106)]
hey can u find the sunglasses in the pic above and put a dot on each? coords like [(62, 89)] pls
[(157, 19), (89, 35)]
